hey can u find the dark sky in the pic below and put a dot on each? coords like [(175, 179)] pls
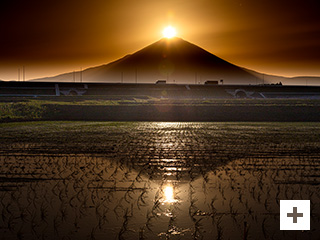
[(50, 37)]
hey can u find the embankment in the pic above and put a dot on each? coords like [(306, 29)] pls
[(249, 110)]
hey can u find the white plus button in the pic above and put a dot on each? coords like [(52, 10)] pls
[(294, 214)]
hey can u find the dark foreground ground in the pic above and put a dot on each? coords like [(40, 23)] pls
[(155, 180), (146, 108)]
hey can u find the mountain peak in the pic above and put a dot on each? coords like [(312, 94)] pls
[(175, 60)]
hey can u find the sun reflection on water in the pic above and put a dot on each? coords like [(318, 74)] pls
[(168, 194)]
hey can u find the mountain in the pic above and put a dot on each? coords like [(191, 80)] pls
[(176, 61)]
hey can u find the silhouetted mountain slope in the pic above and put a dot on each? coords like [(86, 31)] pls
[(174, 60)]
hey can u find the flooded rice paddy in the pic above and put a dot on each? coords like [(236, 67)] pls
[(156, 180)]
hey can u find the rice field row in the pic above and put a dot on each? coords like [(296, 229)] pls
[(155, 180)]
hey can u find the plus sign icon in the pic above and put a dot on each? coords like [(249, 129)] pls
[(294, 214)]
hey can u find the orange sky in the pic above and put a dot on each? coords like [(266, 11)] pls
[(52, 37)]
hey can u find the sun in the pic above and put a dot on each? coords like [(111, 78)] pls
[(169, 32)]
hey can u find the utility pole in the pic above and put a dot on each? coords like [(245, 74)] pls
[(74, 76), (81, 74), (136, 75), (24, 74), (121, 77), (18, 74)]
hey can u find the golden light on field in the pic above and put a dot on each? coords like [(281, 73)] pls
[(168, 194), (169, 32)]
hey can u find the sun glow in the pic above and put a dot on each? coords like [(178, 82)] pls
[(168, 195), (169, 32)]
